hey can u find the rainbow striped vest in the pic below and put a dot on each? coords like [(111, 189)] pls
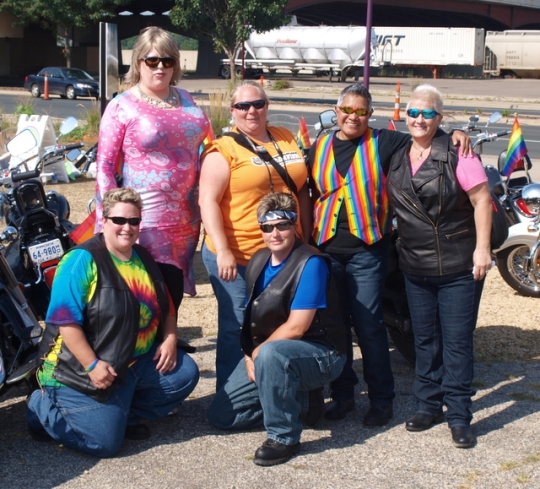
[(363, 190)]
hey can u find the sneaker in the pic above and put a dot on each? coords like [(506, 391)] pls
[(273, 452), (137, 432)]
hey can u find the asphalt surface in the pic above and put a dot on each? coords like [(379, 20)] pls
[(186, 452)]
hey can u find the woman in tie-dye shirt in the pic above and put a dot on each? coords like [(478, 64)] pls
[(150, 136), (109, 353)]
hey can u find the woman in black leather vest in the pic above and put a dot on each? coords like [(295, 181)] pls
[(292, 339), (443, 209), (109, 353)]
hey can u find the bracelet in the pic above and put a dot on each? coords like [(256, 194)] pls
[(92, 366)]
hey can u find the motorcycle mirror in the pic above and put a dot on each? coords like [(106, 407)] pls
[(68, 125), (493, 118), (328, 119), (474, 118), (22, 142), (73, 154), (10, 233)]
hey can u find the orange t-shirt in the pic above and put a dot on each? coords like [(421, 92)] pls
[(249, 183)]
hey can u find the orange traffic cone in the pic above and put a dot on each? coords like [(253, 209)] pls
[(261, 81), (396, 104), (46, 88)]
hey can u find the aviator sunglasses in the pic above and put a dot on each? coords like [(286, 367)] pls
[(281, 226), (426, 113), (153, 61), (258, 104), (350, 110), (121, 221)]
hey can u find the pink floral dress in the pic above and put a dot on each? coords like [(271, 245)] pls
[(159, 151)]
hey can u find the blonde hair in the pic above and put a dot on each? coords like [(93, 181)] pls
[(430, 93), (120, 195), (248, 83), (279, 201), (160, 40)]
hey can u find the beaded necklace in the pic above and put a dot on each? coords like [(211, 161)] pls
[(170, 101)]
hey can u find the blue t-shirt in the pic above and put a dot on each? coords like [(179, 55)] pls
[(311, 290)]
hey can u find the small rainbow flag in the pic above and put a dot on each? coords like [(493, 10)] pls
[(302, 136), (85, 230), (391, 126), (516, 149), (207, 140)]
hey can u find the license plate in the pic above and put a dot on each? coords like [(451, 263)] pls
[(46, 251)]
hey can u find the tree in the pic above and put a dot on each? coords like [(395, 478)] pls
[(60, 16), (229, 22)]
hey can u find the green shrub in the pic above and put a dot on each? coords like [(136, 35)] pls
[(281, 85)]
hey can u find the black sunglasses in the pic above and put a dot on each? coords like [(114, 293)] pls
[(121, 221), (258, 104), (426, 113), (153, 61), (281, 226)]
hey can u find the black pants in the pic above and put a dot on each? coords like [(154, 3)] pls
[(174, 279)]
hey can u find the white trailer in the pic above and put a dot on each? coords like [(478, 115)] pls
[(319, 49), (431, 47), (513, 53)]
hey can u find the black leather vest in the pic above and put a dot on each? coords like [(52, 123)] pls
[(435, 218), (111, 322), (268, 311)]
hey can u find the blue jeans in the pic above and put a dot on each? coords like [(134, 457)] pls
[(231, 299), (360, 280), (443, 312), (284, 371), (81, 423)]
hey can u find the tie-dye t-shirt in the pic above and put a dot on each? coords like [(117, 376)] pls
[(74, 286)]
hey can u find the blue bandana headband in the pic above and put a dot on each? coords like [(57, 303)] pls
[(275, 215)]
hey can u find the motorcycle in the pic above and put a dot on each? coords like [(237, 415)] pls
[(41, 219)]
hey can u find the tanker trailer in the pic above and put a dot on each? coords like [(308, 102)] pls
[(318, 49), (514, 53)]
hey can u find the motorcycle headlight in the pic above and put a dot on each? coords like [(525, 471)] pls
[(531, 196)]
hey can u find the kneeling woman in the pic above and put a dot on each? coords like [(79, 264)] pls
[(110, 347), (293, 343)]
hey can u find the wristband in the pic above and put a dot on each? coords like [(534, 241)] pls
[(92, 366)]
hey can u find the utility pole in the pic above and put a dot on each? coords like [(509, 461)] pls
[(367, 51)]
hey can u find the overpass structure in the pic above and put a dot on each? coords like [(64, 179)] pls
[(26, 50)]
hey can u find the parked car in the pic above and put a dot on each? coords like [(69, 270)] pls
[(67, 82)]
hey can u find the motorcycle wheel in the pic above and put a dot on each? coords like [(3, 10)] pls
[(404, 344), (510, 264)]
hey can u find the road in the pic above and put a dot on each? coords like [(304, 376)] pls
[(78, 108)]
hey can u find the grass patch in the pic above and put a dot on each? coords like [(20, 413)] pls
[(534, 387), (218, 111), (480, 384), (523, 477), (281, 85), (510, 465), (523, 396), (24, 105)]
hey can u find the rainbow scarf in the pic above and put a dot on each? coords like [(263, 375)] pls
[(363, 190)]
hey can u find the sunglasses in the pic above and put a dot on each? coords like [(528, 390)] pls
[(121, 221), (258, 104), (426, 113), (358, 112), (153, 61), (281, 226)]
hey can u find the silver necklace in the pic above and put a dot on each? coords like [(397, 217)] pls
[(420, 151), (166, 103)]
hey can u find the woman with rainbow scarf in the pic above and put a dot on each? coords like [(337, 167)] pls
[(352, 224)]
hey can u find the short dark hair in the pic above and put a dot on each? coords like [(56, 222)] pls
[(358, 90), (279, 201)]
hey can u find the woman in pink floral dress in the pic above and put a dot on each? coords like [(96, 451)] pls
[(155, 130)]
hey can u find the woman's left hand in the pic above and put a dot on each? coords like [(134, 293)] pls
[(461, 139), (482, 263), (167, 355)]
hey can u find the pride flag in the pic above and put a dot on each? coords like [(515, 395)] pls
[(207, 140), (85, 230), (302, 136), (391, 126), (516, 149)]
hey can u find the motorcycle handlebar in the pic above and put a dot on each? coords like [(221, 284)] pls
[(69, 147), (25, 175), (504, 133)]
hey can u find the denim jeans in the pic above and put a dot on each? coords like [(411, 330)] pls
[(231, 299), (443, 312), (284, 371), (81, 423), (360, 280)]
